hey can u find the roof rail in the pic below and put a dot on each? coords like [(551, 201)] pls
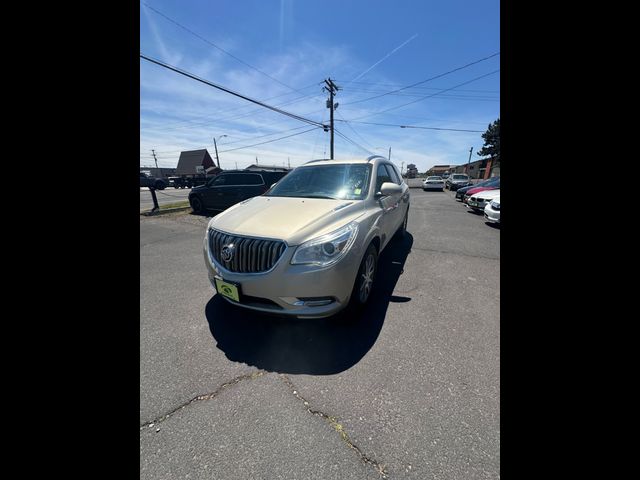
[(372, 157), (317, 160)]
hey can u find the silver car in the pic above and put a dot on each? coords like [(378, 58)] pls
[(310, 245), (433, 183)]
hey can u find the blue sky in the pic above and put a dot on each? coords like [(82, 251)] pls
[(283, 51)]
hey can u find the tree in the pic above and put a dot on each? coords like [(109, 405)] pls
[(491, 141)]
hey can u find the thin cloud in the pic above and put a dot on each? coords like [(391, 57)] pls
[(383, 58)]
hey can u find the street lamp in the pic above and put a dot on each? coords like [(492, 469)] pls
[(216, 147), (384, 148)]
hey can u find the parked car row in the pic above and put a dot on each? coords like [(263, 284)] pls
[(463, 194), (483, 197)]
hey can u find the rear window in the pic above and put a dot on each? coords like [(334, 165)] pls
[(460, 177), (434, 178)]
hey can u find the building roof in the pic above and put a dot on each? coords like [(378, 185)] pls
[(191, 159)]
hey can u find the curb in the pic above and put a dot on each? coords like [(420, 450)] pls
[(162, 212)]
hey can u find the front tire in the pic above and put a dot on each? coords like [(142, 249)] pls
[(365, 278), (196, 204)]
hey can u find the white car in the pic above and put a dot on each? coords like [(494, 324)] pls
[(492, 210), (480, 200), (433, 183)]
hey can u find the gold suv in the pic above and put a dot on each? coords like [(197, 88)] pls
[(309, 246)]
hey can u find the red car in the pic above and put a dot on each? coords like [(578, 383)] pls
[(472, 191)]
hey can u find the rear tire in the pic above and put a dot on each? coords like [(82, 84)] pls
[(402, 230)]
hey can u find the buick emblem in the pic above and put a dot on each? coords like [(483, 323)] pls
[(227, 252)]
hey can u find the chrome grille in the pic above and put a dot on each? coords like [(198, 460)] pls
[(251, 255)]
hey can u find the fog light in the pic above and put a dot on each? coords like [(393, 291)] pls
[(313, 301)]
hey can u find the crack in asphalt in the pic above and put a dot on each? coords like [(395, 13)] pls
[(201, 398), (333, 422)]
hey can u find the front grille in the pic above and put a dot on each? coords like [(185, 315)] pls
[(251, 255)]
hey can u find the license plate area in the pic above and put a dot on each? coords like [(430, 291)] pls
[(228, 289)]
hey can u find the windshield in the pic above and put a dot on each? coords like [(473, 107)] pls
[(342, 181), (486, 183), (434, 178), (460, 177)]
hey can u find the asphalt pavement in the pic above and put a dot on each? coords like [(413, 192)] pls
[(410, 389)]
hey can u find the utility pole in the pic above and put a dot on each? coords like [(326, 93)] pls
[(390, 155), (154, 157), (289, 161), (401, 167), (332, 88), (236, 165), (469, 162), (256, 160), (216, 147)]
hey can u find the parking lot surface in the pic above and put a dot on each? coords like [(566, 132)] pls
[(410, 389)]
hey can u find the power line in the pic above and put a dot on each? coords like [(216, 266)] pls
[(268, 141), (427, 80), (236, 141), (216, 46), (353, 129), (413, 126), (424, 98), (421, 88), (219, 87), (484, 98), (192, 121), (353, 142), (228, 118)]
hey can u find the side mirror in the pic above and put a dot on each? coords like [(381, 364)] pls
[(389, 188)]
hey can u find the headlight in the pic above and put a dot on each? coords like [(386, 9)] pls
[(494, 205), (327, 249)]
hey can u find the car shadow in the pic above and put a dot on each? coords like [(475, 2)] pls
[(493, 225), (316, 346)]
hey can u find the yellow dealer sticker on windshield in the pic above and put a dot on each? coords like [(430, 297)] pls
[(357, 191), (227, 290)]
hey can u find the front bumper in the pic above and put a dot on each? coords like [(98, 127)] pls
[(281, 290), (477, 205), (491, 215)]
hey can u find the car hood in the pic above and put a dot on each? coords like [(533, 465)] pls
[(294, 220), (488, 194), (474, 190)]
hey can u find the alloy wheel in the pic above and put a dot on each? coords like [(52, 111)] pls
[(367, 278)]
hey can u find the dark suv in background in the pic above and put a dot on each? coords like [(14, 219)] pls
[(456, 181), (231, 187)]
